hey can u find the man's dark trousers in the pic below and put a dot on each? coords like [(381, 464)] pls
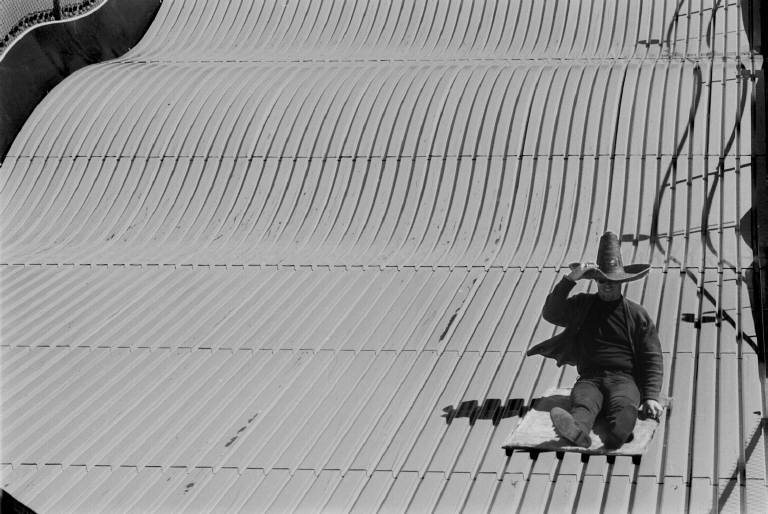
[(616, 394)]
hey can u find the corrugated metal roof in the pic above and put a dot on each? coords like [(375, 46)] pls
[(289, 256)]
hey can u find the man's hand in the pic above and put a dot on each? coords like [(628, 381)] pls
[(652, 409), (578, 269)]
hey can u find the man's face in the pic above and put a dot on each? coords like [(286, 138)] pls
[(608, 291)]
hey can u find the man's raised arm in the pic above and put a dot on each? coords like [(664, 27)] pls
[(558, 308)]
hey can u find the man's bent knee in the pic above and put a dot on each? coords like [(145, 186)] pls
[(620, 426)]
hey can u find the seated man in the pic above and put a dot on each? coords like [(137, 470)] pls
[(612, 342)]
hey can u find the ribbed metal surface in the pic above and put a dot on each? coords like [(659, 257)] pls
[(289, 256)]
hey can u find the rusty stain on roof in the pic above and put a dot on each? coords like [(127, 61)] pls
[(290, 255)]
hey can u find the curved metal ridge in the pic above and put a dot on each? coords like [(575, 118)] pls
[(348, 163), (289, 256)]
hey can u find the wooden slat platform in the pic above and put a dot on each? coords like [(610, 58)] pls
[(536, 433)]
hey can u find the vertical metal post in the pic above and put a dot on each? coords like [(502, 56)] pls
[(756, 25)]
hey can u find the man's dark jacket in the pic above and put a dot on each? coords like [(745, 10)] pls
[(571, 313)]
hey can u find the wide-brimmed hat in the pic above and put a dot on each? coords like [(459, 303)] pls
[(609, 266)]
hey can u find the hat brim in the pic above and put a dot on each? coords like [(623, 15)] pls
[(631, 272)]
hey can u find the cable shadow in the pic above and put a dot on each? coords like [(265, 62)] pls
[(733, 479)]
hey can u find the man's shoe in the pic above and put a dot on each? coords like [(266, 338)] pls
[(566, 427)]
